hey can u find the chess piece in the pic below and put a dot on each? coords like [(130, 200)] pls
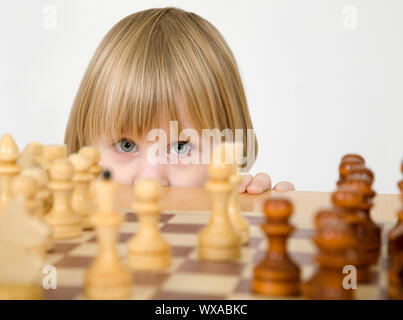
[(42, 195), (219, 240), (45, 160), (20, 266), (80, 200), (148, 250), (277, 274), (9, 154), (26, 187), (235, 214), (354, 156), (107, 278), (345, 166), (30, 155), (395, 236), (395, 276), (350, 203), (335, 240), (95, 168), (395, 253), (53, 152), (65, 222), (361, 183)]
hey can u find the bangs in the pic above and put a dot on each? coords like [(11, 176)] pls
[(151, 83)]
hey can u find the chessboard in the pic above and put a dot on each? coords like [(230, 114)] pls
[(189, 278)]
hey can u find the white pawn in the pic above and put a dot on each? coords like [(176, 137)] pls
[(107, 278), (235, 214), (95, 168), (148, 250), (65, 222), (80, 200), (9, 155), (219, 240)]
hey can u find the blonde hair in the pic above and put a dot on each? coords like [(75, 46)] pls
[(141, 67)]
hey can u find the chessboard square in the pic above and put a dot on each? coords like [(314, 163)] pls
[(250, 296), (247, 272), (256, 231), (74, 262), (162, 295), (301, 245), (67, 277), (176, 262), (247, 254), (181, 240), (166, 216), (198, 219), (181, 228), (65, 293), (63, 248), (227, 268), (129, 227), (201, 283), (254, 221), (91, 250), (181, 251), (130, 217), (85, 250), (302, 258), (367, 292), (148, 278), (53, 258), (301, 222), (254, 242), (143, 292), (85, 236), (303, 233)]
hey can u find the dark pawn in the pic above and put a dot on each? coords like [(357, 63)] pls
[(354, 156), (345, 166), (369, 229), (335, 241), (351, 203), (277, 274), (395, 252)]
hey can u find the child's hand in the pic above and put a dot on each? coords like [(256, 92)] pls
[(262, 182)]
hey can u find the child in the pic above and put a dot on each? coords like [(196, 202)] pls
[(156, 69)]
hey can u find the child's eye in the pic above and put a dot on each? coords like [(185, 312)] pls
[(180, 148), (126, 145)]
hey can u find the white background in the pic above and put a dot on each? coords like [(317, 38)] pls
[(316, 89)]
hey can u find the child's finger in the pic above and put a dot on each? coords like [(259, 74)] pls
[(247, 178), (284, 186), (260, 183)]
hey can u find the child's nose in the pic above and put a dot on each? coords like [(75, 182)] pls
[(151, 171)]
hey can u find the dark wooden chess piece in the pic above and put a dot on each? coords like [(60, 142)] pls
[(335, 241), (354, 156), (277, 274), (395, 236), (351, 203), (361, 183), (345, 166), (395, 252)]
